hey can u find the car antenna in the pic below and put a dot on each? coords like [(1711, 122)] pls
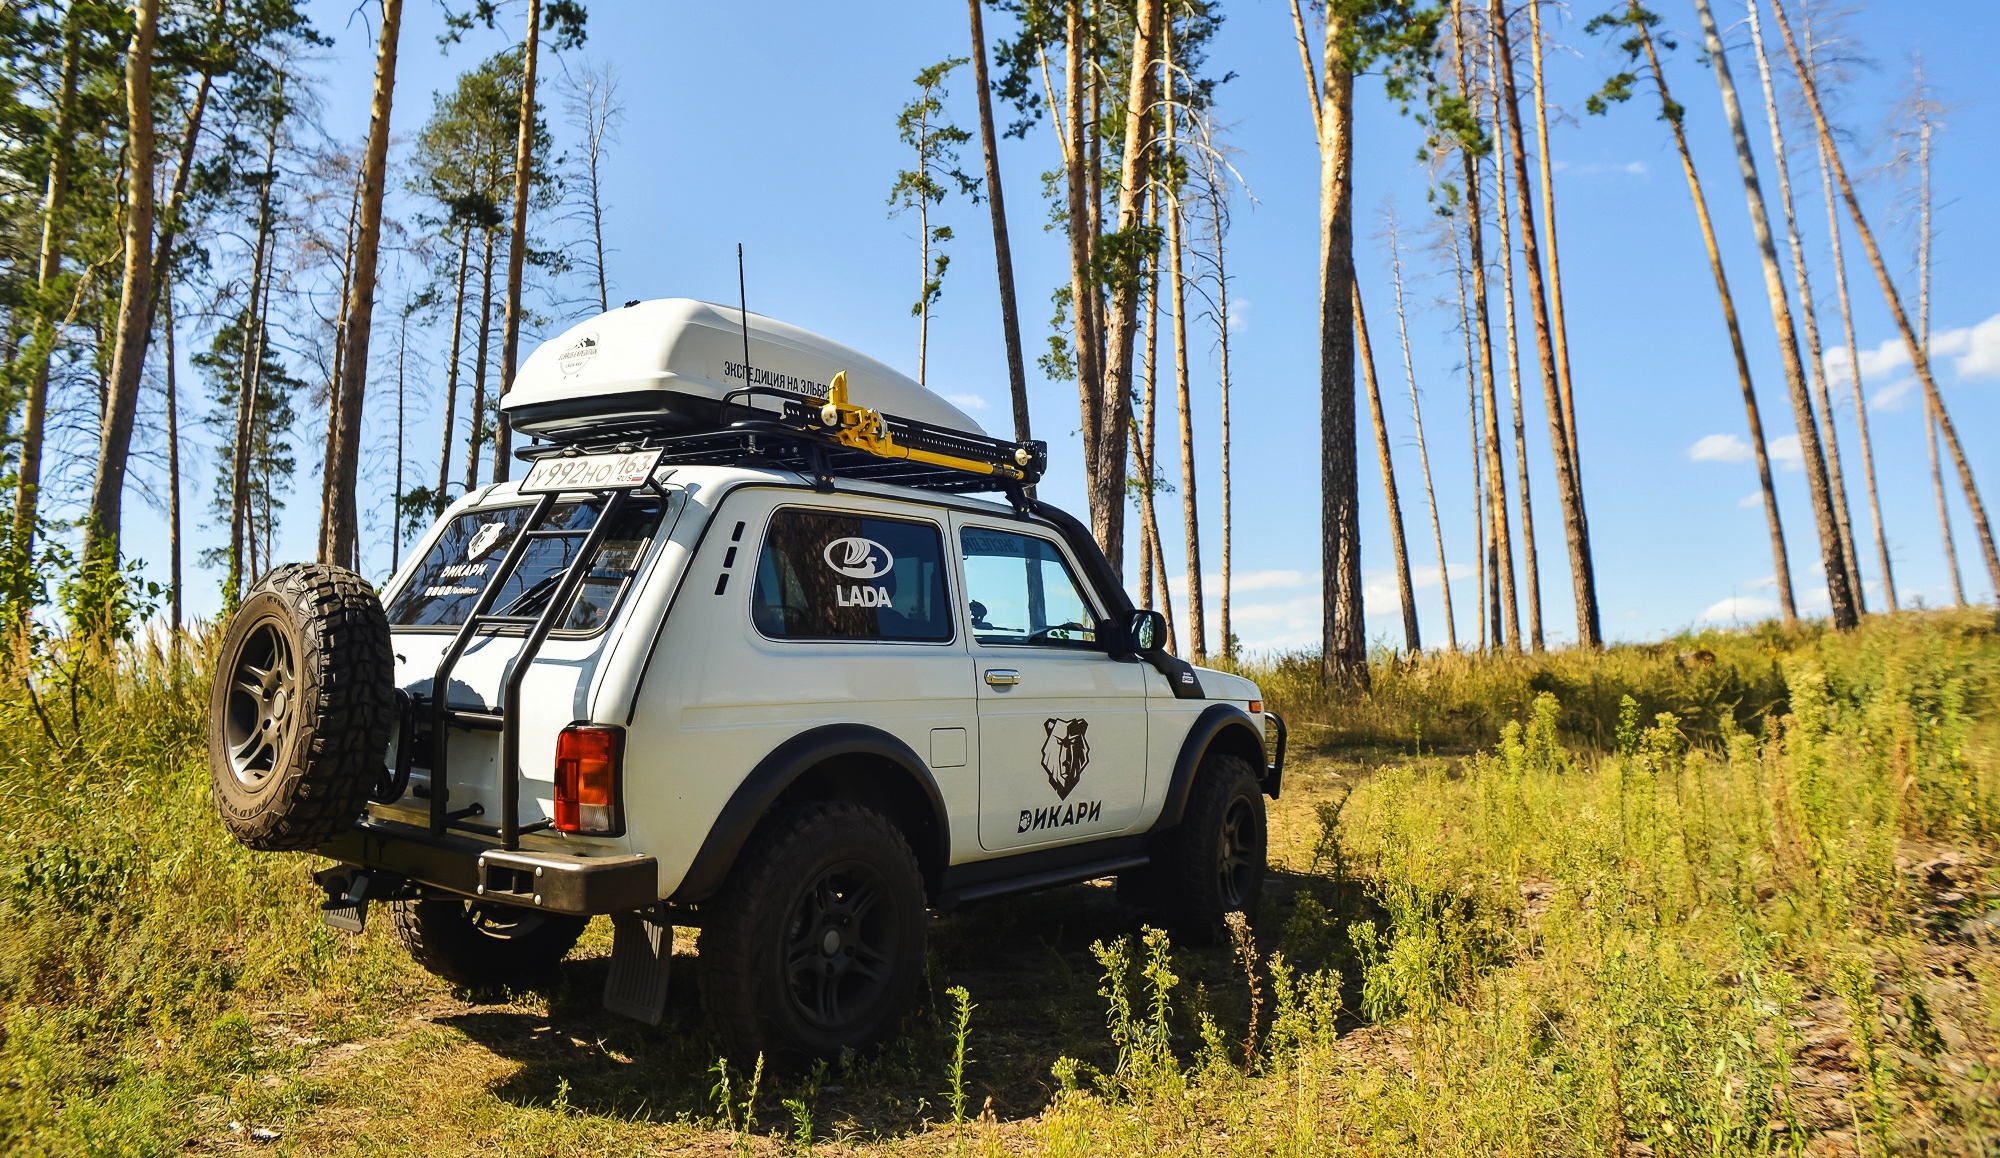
[(743, 312)]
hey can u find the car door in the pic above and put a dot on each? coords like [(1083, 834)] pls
[(1062, 726)]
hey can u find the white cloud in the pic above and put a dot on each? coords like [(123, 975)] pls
[(1784, 450), (1599, 168), (1719, 448), (971, 402), (1241, 581), (1751, 500), (1740, 609), (1894, 397), (1974, 349), (1239, 315), (1887, 359)]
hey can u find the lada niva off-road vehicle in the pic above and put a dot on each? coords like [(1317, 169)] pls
[(737, 651)]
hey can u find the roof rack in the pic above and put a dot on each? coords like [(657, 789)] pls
[(826, 440)]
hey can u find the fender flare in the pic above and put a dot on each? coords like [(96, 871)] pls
[(782, 768), (1224, 723)]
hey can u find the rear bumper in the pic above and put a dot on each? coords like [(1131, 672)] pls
[(552, 881)]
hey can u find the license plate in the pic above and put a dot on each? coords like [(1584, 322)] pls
[(620, 470)]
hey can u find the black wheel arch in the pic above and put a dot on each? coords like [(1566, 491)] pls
[(1220, 728), (849, 762)]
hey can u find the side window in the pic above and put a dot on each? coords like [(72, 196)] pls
[(828, 575), (1020, 591)]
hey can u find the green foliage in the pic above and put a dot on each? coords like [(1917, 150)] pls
[(924, 127)]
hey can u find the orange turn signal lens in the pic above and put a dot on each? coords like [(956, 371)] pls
[(587, 769), (1256, 707)]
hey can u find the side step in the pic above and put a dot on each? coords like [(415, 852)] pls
[(642, 948)]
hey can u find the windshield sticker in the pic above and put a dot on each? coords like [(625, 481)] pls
[(577, 355), (869, 596), (1065, 754), (483, 542), (858, 558)]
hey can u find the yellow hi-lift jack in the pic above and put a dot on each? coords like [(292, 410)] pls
[(862, 429)]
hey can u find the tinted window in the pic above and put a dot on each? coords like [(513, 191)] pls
[(1020, 591), (824, 575), (473, 545)]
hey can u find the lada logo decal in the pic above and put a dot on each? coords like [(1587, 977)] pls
[(858, 558), (1065, 754), (483, 542), (577, 354)]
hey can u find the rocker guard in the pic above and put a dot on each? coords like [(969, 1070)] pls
[(553, 881)]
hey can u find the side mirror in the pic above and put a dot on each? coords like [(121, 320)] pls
[(1147, 631)]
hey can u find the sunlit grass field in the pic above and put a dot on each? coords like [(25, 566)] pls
[(1732, 893)]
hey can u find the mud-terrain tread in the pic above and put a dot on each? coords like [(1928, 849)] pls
[(736, 1010), (346, 709), (1185, 865), (439, 934)]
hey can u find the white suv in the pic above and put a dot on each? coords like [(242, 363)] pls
[(730, 679)]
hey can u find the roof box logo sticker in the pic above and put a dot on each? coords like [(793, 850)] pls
[(858, 558), (577, 355)]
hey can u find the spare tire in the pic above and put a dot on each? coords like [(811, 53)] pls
[(302, 708)]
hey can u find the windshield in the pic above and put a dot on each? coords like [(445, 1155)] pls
[(473, 545)]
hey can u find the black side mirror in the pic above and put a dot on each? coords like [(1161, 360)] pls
[(1146, 631)]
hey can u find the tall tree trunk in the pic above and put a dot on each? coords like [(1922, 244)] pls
[(923, 269), (1499, 544), (1228, 637), (517, 244), (1924, 333), (1417, 416), (246, 396), (1787, 606), (128, 365), (1405, 589), (1503, 204), (1197, 619), (1576, 522), (1083, 279), (451, 372), (1003, 253), (1919, 357), (1854, 378), (41, 347), (1472, 419), (1810, 316), (396, 508), (175, 604), (1556, 315), (341, 545), (1344, 633), (1149, 436), (327, 477), (255, 343), (1833, 555), (1107, 487), (479, 367)]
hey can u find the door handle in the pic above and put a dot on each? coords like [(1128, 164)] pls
[(1002, 677)]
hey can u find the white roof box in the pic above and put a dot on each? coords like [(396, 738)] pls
[(668, 364)]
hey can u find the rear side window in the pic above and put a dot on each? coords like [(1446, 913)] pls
[(466, 555), (828, 575)]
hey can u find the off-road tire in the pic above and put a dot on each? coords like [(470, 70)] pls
[(479, 944), (769, 925), (1213, 862), (294, 747)]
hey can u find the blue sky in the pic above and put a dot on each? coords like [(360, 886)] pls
[(774, 126)]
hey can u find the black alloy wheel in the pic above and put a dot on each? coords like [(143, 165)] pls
[(839, 948), (1239, 867), (1212, 863)]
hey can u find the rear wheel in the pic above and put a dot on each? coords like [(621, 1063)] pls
[(816, 941), (478, 943), (1213, 864), (302, 707)]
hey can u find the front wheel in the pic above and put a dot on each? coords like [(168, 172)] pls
[(1213, 864), (478, 943), (817, 940)]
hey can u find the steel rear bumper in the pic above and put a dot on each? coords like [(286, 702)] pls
[(552, 881)]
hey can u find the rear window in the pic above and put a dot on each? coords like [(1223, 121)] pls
[(827, 575), (466, 555)]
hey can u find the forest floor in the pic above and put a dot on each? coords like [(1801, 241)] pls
[(1768, 922)]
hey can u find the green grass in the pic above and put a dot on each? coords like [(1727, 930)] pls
[(1512, 913)]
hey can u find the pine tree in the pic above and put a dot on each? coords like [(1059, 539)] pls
[(923, 126)]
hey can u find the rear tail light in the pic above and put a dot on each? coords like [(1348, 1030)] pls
[(587, 781)]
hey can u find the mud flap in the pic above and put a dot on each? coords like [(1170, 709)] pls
[(642, 947)]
